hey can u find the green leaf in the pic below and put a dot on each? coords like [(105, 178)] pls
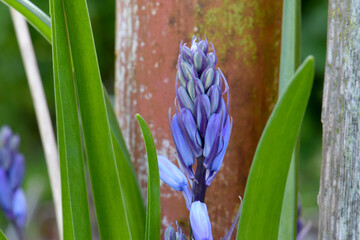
[(133, 204), (265, 187), (37, 18), (290, 43), (2, 236), (76, 221), (289, 61), (40, 19), (116, 131), (153, 200), (109, 200)]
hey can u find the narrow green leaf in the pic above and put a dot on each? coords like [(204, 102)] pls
[(2, 236), (108, 198), (290, 43), (75, 198), (288, 219), (289, 61), (153, 199), (37, 18), (131, 189), (115, 129), (65, 198), (134, 206), (40, 19), (265, 187)]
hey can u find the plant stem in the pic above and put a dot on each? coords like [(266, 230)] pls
[(199, 185)]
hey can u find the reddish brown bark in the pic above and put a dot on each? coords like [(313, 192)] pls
[(246, 35)]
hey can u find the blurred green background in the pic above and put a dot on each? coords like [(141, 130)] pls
[(16, 109)]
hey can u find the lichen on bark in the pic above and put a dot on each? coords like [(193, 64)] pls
[(339, 195)]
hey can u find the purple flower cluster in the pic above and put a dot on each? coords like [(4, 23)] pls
[(12, 168), (200, 128)]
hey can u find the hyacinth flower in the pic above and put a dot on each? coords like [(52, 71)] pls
[(12, 168), (173, 177), (201, 128), (201, 125), (200, 222)]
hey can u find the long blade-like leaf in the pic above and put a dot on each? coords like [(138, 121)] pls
[(108, 197), (289, 61), (153, 199), (265, 187), (37, 18), (75, 201), (133, 204), (115, 129), (41, 19), (2, 236)]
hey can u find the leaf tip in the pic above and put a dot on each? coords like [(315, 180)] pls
[(139, 117), (310, 60)]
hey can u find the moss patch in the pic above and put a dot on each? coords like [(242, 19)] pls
[(230, 25)]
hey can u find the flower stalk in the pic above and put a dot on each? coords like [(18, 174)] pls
[(199, 184)]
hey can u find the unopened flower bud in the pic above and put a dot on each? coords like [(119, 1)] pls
[(19, 208), (199, 59), (214, 95), (200, 222)]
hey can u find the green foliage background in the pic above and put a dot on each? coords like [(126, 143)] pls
[(16, 107)]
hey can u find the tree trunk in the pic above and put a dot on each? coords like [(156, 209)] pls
[(246, 35), (339, 197)]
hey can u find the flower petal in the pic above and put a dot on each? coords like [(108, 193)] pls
[(186, 157), (199, 87), (202, 113), (209, 77), (186, 53), (226, 132), (199, 60), (5, 192), (200, 222), (187, 71), (212, 55), (5, 157), (191, 89), (214, 94), (171, 175), (191, 132), (16, 171), (184, 98), (212, 132), (14, 143), (204, 46), (19, 208), (5, 136)]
